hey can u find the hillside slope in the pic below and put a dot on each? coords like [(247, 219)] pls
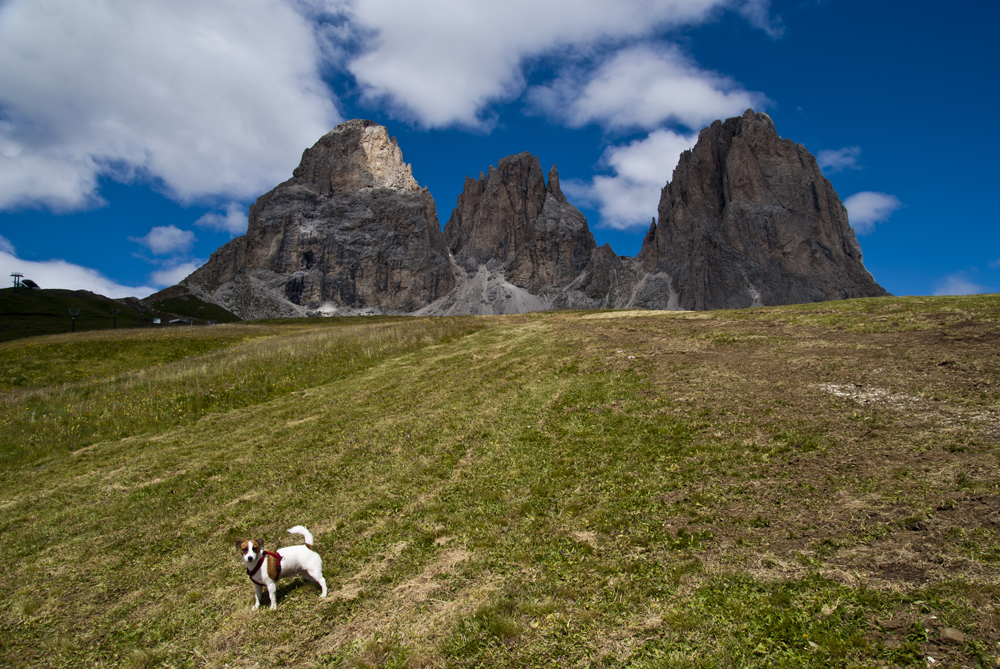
[(44, 312), (793, 486)]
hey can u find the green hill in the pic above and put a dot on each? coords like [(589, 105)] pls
[(34, 312), (186, 304), (798, 486)]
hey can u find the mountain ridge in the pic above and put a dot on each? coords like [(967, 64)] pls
[(746, 219)]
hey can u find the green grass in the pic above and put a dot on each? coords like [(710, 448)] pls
[(39, 312), (572, 489), (191, 306), (117, 385), (882, 314)]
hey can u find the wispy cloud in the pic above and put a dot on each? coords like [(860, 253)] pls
[(233, 220), (958, 284), (867, 208), (62, 274), (171, 275), (758, 13), (835, 160), (165, 239), (203, 99), (629, 198), (647, 87)]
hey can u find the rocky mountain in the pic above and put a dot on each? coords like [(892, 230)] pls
[(747, 219), (518, 244), (350, 232)]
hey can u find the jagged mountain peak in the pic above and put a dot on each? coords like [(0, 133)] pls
[(746, 219), (350, 232), (354, 155)]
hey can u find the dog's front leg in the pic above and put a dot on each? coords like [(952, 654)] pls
[(257, 590), (272, 592)]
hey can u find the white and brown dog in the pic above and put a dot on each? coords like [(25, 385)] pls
[(288, 561)]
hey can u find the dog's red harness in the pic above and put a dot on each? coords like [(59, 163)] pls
[(277, 567)]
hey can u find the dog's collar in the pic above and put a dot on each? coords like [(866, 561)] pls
[(277, 567), (260, 561)]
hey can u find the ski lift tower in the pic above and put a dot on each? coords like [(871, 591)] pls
[(74, 313), (17, 280)]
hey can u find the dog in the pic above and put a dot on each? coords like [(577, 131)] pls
[(265, 567)]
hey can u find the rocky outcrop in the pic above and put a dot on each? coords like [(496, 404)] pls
[(350, 232), (749, 220), (509, 215), (520, 246)]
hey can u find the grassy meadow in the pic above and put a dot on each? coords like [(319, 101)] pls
[(800, 486), (33, 312)]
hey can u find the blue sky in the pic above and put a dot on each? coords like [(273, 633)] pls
[(134, 136)]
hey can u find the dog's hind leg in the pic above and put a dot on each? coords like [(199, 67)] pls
[(316, 576)]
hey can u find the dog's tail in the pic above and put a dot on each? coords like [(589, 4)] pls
[(299, 529)]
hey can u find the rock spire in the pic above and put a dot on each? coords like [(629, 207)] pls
[(749, 220), (512, 217), (350, 232)]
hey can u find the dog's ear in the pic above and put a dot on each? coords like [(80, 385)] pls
[(239, 542), (259, 542)]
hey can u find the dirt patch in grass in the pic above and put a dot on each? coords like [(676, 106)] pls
[(407, 612), (354, 585), (907, 419), (418, 589), (867, 458)]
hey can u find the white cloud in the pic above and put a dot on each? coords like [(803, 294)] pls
[(758, 13), (164, 239), (443, 62), (172, 275), (835, 160), (233, 221), (644, 86), (958, 284), (867, 208), (208, 99), (62, 274), (630, 197), (640, 86), (212, 100)]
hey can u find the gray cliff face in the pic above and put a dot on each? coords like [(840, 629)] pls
[(350, 232), (519, 246), (749, 220), (522, 247), (510, 217)]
